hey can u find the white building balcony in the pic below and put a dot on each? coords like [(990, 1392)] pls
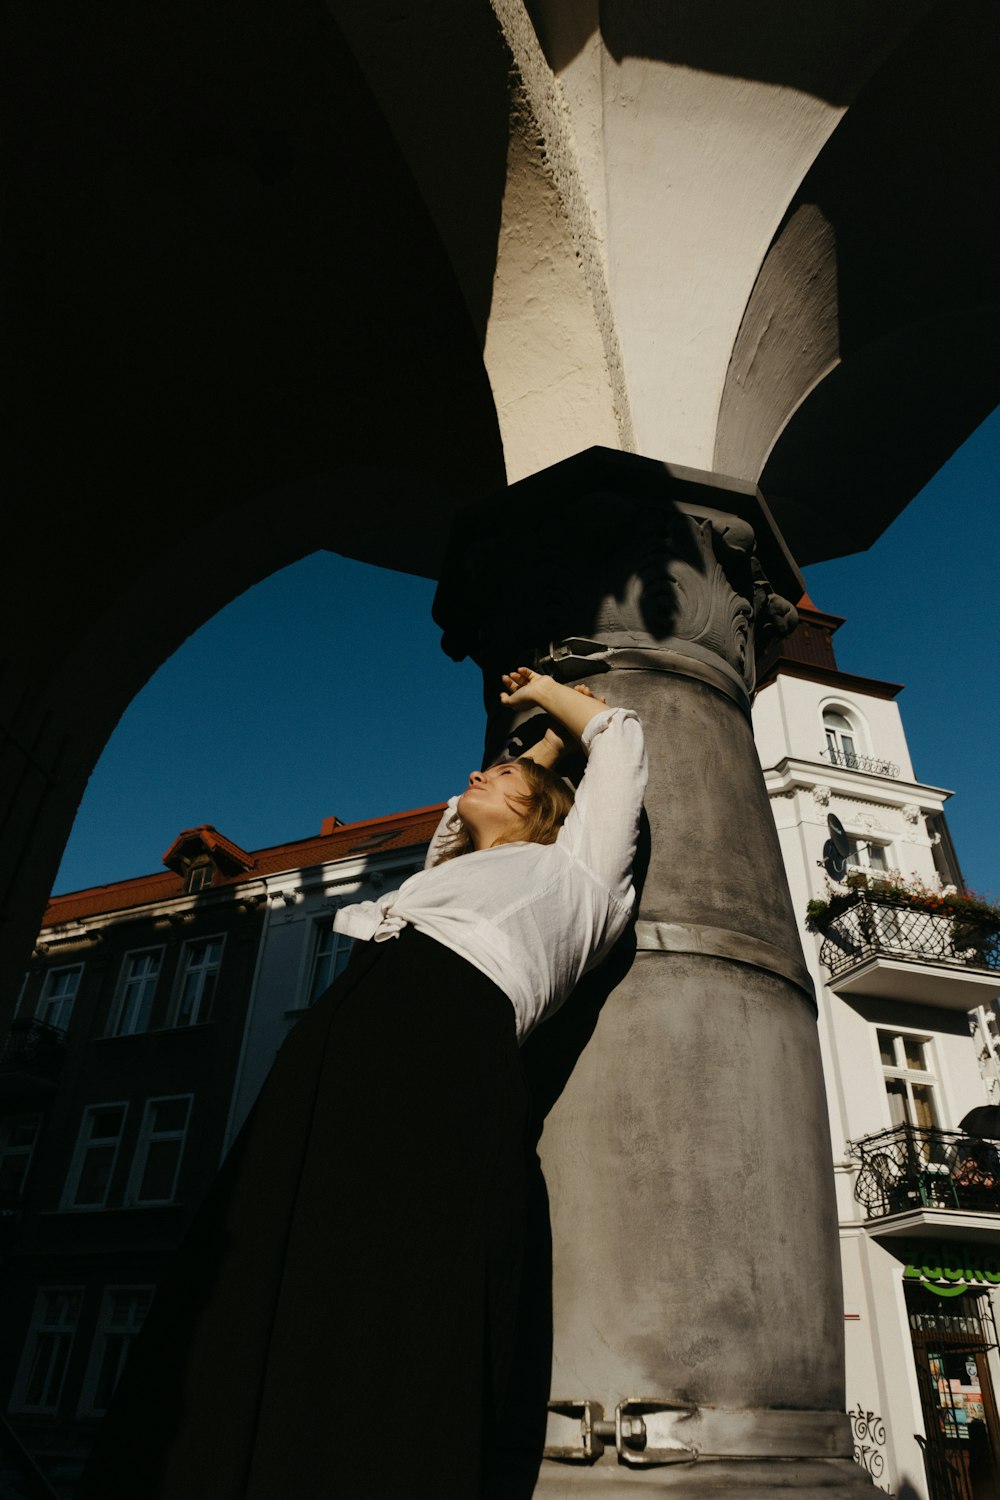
[(916, 1183), (872, 765), (881, 947)]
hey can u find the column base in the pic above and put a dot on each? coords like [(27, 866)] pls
[(750, 1479)]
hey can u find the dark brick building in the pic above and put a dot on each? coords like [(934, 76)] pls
[(119, 1065)]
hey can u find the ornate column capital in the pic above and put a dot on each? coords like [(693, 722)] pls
[(610, 560)]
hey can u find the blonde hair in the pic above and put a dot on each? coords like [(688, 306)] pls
[(548, 802)]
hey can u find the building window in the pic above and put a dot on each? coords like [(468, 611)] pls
[(841, 738), (46, 1354), (95, 1155), (136, 989), (21, 1007), (909, 1079), (199, 976), (198, 877), (18, 1137), (333, 949), (123, 1312), (55, 1005), (864, 855), (158, 1154)]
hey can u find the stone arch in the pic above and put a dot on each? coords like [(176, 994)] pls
[(471, 99), (272, 260), (56, 728), (864, 357), (237, 339)]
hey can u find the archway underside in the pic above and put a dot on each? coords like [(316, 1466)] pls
[(316, 277)]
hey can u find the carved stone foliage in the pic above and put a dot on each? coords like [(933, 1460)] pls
[(608, 575), (871, 815), (774, 617), (713, 594)]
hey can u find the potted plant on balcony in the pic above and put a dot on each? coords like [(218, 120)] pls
[(974, 920)]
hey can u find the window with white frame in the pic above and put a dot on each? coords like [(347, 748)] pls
[(55, 1005), (40, 1377), (123, 1312), (198, 980), (94, 1159), (841, 738), (864, 854), (157, 1160), (198, 877), (330, 955), (907, 1069), (133, 1006), (18, 1138)]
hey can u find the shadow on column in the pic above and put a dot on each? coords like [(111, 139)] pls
[(550, 1054)]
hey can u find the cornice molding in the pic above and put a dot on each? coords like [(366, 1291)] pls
[(793, 774), (865, 687), (322, 880), (176, 910)]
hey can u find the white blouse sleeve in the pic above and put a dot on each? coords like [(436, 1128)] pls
[(362, 919), (444, 831), (602, 828)]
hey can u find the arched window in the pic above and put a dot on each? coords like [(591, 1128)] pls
[(841, 738)]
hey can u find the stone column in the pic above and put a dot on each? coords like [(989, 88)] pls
[(698, 1320)]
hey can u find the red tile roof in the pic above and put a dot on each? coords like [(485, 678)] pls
[(373, 835)]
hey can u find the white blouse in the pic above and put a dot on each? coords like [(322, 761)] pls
[(533, 917)]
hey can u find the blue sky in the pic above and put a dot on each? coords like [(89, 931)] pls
[(920, 610), (324, 690)]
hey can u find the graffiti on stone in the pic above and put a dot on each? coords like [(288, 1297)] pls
[(868, 1432)]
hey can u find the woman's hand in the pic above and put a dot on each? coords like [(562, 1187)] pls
[(525, 686)]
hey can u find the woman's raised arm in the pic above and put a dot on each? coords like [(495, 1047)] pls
[(602, 828), (573, 708), (551, 748)]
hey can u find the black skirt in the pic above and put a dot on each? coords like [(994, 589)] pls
[(339, 1322)]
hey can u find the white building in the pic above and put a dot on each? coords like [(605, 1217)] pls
[(908, 1032)]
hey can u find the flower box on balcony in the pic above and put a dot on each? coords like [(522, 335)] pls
[(968, 913), (882, 937)]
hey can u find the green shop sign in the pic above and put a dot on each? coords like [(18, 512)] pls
[(950, 1270)]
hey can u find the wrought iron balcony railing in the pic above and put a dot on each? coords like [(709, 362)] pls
[(32, 1047), (870, 763), (877, 925), (910, 1168)]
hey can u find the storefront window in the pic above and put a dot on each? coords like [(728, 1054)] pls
[(961, 1430)]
